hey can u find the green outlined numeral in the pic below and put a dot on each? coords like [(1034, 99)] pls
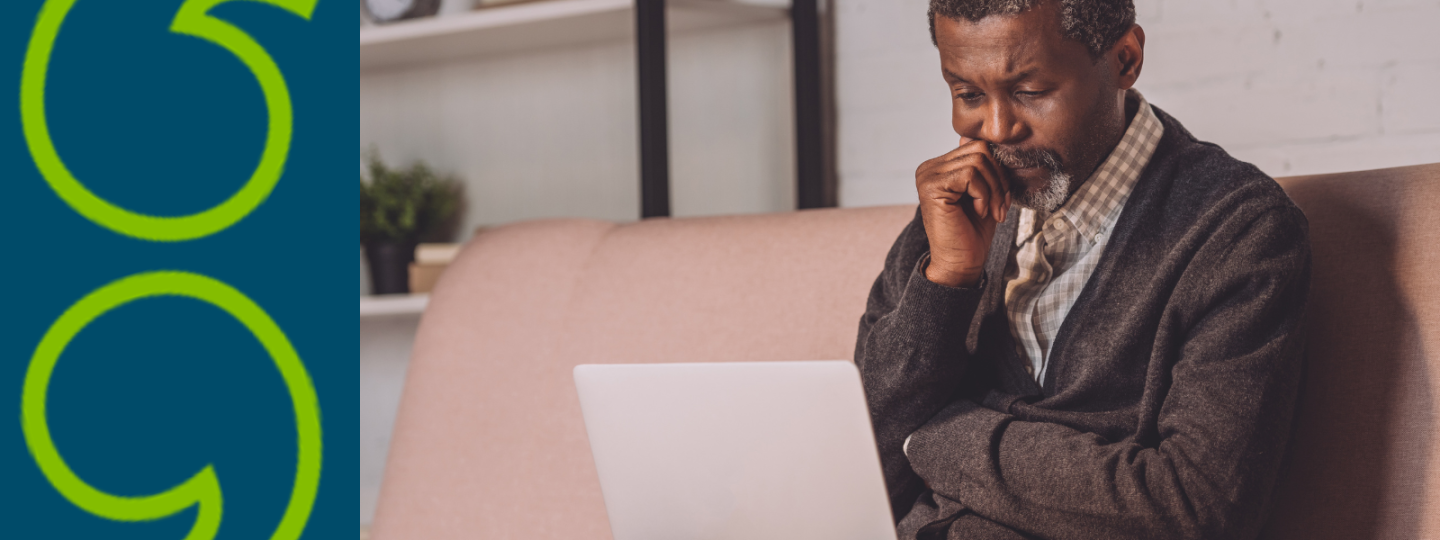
[(192, 19), (204, 487)]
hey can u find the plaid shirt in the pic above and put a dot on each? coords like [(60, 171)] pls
[(1052, 259)]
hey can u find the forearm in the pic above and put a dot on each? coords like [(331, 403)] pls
[(911, 354), (1051, 481)]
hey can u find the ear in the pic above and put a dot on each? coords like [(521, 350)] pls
[(1129, 55)]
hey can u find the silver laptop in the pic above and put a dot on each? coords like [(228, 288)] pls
[(743, 450)]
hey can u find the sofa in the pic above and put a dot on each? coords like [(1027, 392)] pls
[(489, 441)]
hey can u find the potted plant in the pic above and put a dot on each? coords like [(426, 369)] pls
[(399, 208)]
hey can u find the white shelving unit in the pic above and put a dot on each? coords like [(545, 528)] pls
[(393, 305), (537, 25), (406, 60)]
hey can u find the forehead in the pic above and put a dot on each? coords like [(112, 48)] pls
[(1007, 45)]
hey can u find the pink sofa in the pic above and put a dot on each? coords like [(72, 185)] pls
[(489, 441)]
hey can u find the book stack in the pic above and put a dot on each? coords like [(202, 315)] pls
[(430, 262)]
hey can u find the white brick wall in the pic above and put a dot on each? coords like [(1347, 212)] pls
[(532, 141), (1293, 86)]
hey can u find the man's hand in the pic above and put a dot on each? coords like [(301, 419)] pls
[(963, 195)]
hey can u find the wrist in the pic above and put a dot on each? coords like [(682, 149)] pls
[(941, 275)]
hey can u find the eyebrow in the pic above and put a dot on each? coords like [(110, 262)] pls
[(1017, 77)]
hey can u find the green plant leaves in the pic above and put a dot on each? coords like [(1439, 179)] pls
[(407, 205)]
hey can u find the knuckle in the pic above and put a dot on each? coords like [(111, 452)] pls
[(922, 171)]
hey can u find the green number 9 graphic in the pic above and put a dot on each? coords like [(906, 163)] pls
[(192, 19), (204, 487)]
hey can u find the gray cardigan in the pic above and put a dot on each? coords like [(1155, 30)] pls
[(1173, 383)]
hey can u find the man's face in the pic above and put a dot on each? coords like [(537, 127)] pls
[(1048, 109)]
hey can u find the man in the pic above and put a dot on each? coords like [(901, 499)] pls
[(1092, 327)]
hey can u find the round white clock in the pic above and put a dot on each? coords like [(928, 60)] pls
[(383, 11)]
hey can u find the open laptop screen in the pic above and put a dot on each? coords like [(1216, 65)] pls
[(741, 450)]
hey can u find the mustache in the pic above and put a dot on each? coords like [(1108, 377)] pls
[(1024, 158)]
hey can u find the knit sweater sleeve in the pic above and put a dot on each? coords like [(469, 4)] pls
[(911, 354), (1209, 467)]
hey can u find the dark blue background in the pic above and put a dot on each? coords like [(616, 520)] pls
[(149, 393)]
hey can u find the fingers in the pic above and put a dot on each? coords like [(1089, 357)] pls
[(973, 164), (953, 184), (982, 195), (999, 184), (995, 175)]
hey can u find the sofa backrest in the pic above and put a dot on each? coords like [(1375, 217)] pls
[(489, 441), (1365, 461)]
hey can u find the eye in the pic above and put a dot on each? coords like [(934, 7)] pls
[(969, 96), (1030, 93)]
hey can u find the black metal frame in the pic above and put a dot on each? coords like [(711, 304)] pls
[(654, 122), (814, 188), (814, 171)]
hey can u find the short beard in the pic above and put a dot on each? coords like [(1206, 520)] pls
[(1050, 196)]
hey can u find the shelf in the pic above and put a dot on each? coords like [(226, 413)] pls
[(393, 305), (537, 25)]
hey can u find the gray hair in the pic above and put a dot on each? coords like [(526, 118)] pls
[(1097, 24)]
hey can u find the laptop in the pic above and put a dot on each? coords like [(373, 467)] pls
[(742, 450)]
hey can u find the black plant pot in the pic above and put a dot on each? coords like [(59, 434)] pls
[(390, 266)]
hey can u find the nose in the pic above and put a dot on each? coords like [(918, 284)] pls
[(994, 122)]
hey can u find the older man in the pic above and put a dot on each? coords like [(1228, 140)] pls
[(1091, 329)]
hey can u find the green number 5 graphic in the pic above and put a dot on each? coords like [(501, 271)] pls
[(192, 19)]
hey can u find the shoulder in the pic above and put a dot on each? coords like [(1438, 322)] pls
[(1198, 184)]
